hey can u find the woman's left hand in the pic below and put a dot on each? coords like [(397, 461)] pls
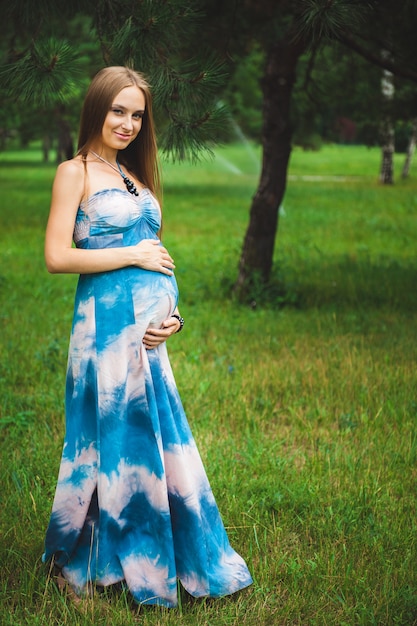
[(155, 336)]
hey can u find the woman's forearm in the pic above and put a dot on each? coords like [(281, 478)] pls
[(148, 254), (86, 261)]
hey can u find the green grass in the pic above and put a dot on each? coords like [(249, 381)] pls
[(303, 405)]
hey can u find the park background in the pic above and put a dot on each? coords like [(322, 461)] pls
[(301, 394)]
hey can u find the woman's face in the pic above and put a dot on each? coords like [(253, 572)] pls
[(124, 119)]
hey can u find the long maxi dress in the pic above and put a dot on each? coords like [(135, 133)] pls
[(133, 502)]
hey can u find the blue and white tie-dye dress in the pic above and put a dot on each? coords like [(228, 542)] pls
[(133, 502)]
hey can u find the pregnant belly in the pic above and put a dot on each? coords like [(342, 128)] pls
[(107, 304), (154, 295)]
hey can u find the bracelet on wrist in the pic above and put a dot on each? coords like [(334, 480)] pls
[(181, 321)]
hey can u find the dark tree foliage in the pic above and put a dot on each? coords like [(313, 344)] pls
[(43, 66)]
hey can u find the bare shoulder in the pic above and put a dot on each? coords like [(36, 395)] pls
[(74, 168), (70, 176)]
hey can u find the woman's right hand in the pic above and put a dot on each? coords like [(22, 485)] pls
[(150, 255)]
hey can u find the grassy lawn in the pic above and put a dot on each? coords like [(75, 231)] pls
[(303, 404)]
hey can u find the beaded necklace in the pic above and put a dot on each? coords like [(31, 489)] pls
[(130, 185)]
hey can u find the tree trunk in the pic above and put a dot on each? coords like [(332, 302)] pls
[(46, 146), (387, 127), (65, 146), (410, 149), (258, 247), (388, 148)]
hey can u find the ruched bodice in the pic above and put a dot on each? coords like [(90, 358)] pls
[(117, 215)]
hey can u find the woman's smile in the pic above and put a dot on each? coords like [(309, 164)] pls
[(124, 119), (123, 136)]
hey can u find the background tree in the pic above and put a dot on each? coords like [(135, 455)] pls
[(48, 52), (297, 32), (243, 93), (411, 147), (387, 127), (284, 31)]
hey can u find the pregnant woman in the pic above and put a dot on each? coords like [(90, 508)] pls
[(133, 504)]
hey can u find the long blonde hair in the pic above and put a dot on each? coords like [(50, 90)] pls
[(141, 156)]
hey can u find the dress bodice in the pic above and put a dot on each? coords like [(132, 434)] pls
[(114, 217)]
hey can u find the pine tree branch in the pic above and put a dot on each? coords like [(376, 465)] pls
[(47, 72), (376, 59)]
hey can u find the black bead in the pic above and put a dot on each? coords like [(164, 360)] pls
[(130, 186)]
